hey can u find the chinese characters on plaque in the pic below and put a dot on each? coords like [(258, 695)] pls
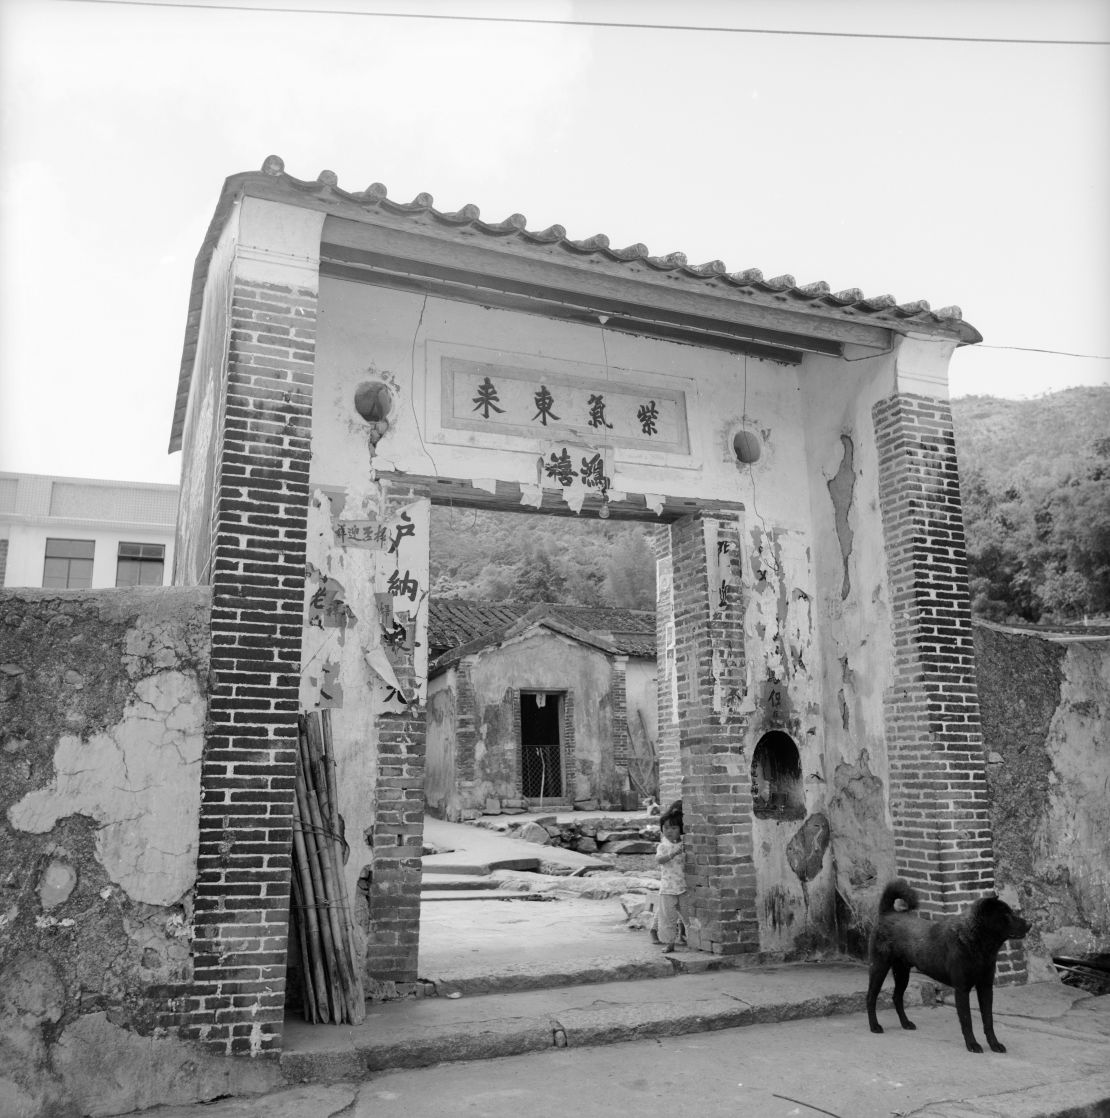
[(507, 400)]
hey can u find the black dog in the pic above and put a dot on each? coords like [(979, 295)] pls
[(960, 951)]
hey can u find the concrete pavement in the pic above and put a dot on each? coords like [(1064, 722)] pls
[(547, 1002), (1057, 1064)]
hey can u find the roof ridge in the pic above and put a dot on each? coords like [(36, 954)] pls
[(377, 196)]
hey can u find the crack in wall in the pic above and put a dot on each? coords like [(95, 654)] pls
[(842, 490)]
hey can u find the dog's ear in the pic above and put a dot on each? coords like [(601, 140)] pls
[(994, 913)]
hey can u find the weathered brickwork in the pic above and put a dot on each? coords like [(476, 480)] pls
[(249, 763), (466, 734), (618, 704), (393, 934), (666, 748), (393, 939), (938, 787), (570, 753), (716, 780)]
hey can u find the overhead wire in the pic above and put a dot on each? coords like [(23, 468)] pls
[(606, 24)]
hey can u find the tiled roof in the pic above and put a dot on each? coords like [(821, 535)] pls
[(748, 284), (452, 623), (376, 196), (455, 622)]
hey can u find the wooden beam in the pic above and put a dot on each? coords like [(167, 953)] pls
[(460, 493), (554, 266), (475, 293), (486, 288)]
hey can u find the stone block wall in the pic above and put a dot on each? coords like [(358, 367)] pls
[(1046, 725)]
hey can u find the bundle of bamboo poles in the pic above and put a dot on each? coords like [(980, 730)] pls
[(330, 962)]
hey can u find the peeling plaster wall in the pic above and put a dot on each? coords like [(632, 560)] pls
[(193, 543), (811, 566), (441, 794), (642, 698), (1046, 725), (102, 708), (852, 653), (359, 635), (396, 338), (542, 663)]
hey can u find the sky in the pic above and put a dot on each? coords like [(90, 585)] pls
[(968, 173)]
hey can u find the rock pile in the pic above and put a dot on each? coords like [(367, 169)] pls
[(632, 833)]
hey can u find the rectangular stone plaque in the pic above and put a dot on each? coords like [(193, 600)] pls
[(532, 403)]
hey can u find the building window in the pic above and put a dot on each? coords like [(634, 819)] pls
[(140, 564), (68, 565)]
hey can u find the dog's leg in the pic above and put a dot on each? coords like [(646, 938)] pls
[(875, 983), (985, 991), (963, 1011), (901, 981)]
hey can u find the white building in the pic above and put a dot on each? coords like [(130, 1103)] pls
[(84, 533)]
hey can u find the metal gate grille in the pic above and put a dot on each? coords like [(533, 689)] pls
[(541, 771)]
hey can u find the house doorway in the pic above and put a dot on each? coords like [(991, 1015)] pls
[(541, 745)]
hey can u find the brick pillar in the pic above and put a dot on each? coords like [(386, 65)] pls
[(466, 738), (716, 773), (393, 939), (249, 761), (666, 745), (570, 748), (938, 787), (622, 737)]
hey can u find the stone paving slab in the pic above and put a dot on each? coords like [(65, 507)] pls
[(423, 1031), (530, 943), (468, 849), (1055, 1066)]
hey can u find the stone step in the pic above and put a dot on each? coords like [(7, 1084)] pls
[(466, 867), (419, 1032), (442, 882), (482, 893)]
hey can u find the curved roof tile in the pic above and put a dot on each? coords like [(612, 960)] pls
[(516, 224), (847, 304)]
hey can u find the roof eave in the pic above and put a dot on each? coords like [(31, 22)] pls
[(815, 301)]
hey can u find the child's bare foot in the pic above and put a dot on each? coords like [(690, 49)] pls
[(668, 949)]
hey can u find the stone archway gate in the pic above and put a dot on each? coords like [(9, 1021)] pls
[(350, 360)]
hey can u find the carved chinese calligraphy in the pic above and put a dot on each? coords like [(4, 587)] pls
[(510, 400), (487, 399)]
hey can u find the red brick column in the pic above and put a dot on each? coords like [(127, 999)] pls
[(716, 776), (938, 790), (666, 745), (393, 939), (570, 748), (394, 935), (247, 769), (618, 704), (466, 734)]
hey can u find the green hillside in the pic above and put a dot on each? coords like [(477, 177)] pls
[(1036, 488)]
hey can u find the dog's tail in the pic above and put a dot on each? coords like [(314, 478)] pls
[(897, 890)]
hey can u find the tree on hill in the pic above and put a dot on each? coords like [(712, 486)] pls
[(1036, 490), (1035, 478), (504, 557)]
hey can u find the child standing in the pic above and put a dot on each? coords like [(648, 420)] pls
[(670, 857)]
